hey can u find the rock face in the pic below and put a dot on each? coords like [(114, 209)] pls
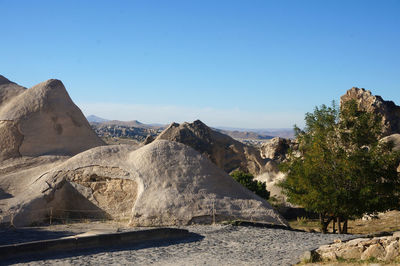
[(382, 248), (162, 183), (224, 151), (276, 149), (389, 111), (41, 120), (395, 139)]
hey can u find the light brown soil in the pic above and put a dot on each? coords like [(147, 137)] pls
[(385, 222)]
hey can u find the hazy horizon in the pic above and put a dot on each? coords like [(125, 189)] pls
[(166, 124), (243, 64)]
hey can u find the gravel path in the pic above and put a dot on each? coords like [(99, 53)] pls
[(213, 245)]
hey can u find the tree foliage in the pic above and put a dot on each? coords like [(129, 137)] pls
[(343, 170), (247, 180)]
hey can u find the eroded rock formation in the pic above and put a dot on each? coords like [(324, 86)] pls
[(162, 183), (276, 149), (41, 120), (52, 166), (389, 111), (224, 151)]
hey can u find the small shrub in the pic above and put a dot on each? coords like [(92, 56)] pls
[(247, 180), (302, 220)]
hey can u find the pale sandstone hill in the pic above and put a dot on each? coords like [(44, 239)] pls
[(224, 151), (41, 120), (389, 110), (162, 183)]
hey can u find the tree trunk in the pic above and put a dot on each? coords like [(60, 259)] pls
[(333, 225), (338, 225), (324, 223), (345, 226)]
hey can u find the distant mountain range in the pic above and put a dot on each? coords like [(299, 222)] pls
[(95, 119), (236, 133)]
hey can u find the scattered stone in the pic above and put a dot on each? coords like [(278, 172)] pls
[(330, 256), (392, 251), (350, 253), (384, 248), (374, 251), (397, 235), (309, 256)]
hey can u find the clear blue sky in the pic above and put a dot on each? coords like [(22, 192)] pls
[(254, 64)]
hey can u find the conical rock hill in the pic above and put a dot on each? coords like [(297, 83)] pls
[(41, 120)]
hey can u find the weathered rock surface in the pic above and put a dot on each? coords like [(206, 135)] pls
[(276, 149), (384, 248), (395, 139), (162, 183), (224, 151), (149, 139), (389, 111), (41, 120)]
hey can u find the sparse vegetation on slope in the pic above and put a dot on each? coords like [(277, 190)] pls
[(247, 180)]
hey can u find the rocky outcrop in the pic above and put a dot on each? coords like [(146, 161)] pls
[(224, 151), (41, 120), (162, 183), (389, 111), (276, 149), (395, 140), (149, 139), (384, 248)]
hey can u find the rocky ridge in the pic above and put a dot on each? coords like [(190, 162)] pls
[(226, 152), (389, 111)]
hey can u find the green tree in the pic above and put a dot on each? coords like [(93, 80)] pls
[(247, 180), (341, 169)]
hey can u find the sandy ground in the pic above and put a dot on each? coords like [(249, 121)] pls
[(210, 245)]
